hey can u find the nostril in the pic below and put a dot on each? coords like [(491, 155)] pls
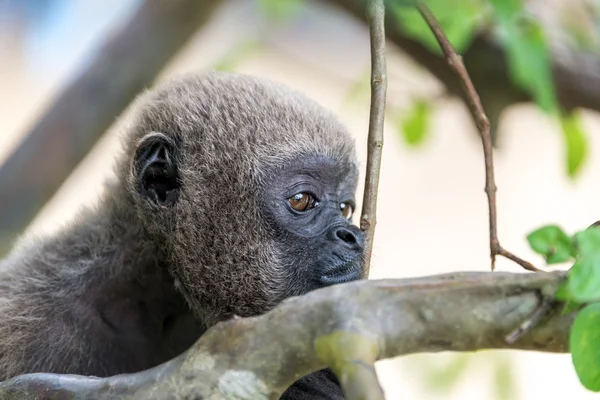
[(346, 236)]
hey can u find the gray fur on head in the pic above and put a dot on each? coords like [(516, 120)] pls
[(232, 132)]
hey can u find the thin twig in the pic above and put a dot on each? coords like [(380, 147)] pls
[(455, 62), (368, 220)]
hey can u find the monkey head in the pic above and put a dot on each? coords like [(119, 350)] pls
[(248, 187)]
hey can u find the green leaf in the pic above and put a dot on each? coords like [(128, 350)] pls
[(504, 379), (562, 293), (587, 242), (583, 284), (576, 143), (458, 18), (443, 378), (280, 9), (570, 306), (584, 280), (415, 126), (360, 88), (529, 63), (527, 52), (584, 344), (506, 10), (552, 243), (239, 53)]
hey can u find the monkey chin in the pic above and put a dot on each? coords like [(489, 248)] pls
[(348, 271)]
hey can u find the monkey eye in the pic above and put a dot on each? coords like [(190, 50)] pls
[(303, 201), (347, 210)]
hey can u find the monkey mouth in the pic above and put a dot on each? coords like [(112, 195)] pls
[(347, 271)]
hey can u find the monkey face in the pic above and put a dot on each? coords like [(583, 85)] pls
[(249, 187), (309, 205)]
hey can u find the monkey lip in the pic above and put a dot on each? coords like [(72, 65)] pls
[(346, 272)]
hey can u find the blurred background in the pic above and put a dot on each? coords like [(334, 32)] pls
[(68, 69)]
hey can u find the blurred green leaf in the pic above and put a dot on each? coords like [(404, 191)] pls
[(506, 10), (584, 344), (570, 306), (280, 9), (360, 88), (552, 243), (527, 52), (576, 143), (444, 377), (521, 36), (587, 242), (584, 280), (458, 18), (504, 379), (415, 125), (563, 295), (529, 63), (233, 58)]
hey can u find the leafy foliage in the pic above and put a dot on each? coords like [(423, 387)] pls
[(232, 59), (551, 242), (414, 127), (584, 280), (527, 51), (524, 41), (522, 37), (581, 289), (504, 379), (441, 374), (458, 18), (278, 9), (585, 346), (576, 143)]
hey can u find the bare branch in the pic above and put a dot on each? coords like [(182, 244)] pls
[(342, 326), (127, 63), (456, 64), (368, 218)]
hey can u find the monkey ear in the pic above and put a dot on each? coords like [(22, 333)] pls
[(155, 168)]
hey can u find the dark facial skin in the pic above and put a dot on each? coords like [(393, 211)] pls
[(309, 205)]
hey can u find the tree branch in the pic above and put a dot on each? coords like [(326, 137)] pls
[(368, 218), (346, 326), (126, 63), (576, 73), (476, 109)]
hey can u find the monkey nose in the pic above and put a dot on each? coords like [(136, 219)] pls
[(350, 238)]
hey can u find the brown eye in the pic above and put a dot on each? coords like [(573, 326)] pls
[(302, 201), (347, 210)]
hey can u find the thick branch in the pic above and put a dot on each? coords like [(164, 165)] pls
[(368, 219), (354, 323), (127, 63)]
